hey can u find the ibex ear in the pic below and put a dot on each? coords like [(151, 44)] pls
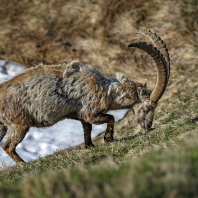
[(139, 92), (121, 78), (143, 93), (140, 89), (115, 89)]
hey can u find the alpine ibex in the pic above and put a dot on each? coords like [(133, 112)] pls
[(43, 95)]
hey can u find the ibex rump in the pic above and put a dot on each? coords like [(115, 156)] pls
[(43, 95)]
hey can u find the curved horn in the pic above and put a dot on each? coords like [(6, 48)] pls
[(159, 43), (161, 64)]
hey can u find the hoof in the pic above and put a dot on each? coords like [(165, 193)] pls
[(21, 163), (108, 138), (89, 146)]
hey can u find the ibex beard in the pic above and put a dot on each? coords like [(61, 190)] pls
[(43, 95)]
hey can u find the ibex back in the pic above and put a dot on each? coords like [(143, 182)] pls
[(43, 95)]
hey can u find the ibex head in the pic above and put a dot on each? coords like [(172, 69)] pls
[(144, 108), (147, 100)]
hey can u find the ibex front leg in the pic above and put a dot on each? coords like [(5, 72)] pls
[(87, 134), (109, 119)]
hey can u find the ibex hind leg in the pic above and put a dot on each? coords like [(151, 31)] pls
[(3, 130), (16, 135)]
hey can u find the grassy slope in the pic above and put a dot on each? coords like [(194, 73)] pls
[(160, 163)]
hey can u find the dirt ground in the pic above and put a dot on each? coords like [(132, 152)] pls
[(97, 33)]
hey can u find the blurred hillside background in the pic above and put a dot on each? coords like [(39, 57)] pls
[(97, 33), (161, 163)]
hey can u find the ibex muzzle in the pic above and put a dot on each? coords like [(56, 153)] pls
[(43, 95)]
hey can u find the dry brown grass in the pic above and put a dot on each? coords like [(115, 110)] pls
[(97, 33)]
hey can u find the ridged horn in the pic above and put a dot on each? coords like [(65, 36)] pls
[(161, 64), (159, 43)]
